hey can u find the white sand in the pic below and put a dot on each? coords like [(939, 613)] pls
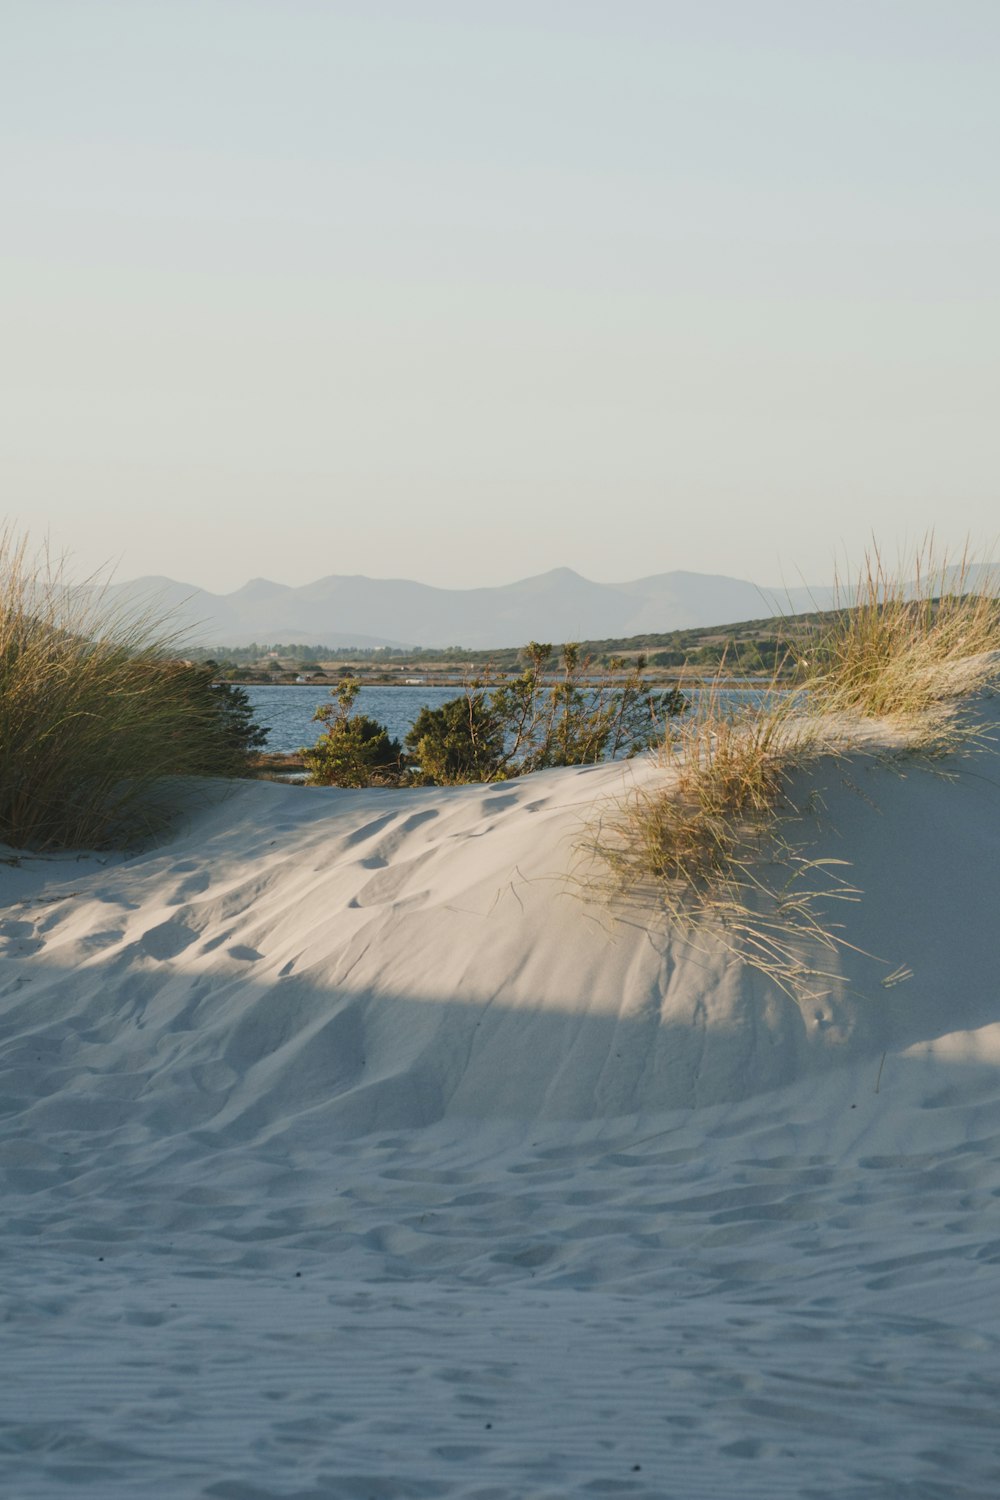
[(347, 1152)]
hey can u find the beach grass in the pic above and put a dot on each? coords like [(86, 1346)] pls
[(98, 716), (715, 845), (723, 843), (909, 646)]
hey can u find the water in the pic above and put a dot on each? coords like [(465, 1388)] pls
[(288, 711)]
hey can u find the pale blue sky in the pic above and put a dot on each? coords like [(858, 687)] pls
[(465, 291)]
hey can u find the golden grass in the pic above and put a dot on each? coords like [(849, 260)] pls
[(96, 714), (909, 650), (715, 845), (719, 845)]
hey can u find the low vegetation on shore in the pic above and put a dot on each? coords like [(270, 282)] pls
[(768, 647), (499, 726)]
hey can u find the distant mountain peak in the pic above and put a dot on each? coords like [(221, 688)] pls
[(558, 605), (258, 585)]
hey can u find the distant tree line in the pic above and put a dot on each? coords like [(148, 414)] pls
[(767, 645)]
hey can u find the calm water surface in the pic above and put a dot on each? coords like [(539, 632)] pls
[(287, 712)]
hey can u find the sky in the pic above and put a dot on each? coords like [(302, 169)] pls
[(464, 290)]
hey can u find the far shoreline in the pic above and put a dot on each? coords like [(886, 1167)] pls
[(673, 678)]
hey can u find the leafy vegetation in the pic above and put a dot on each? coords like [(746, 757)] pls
[(499, 726), (240, 729), (354, 749), (767, 646), (461, 741)]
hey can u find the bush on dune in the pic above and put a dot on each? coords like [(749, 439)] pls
[(98, 717), (354, 750), (513, 725), (459, 742)]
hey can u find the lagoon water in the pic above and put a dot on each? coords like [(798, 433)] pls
[(287, 712)]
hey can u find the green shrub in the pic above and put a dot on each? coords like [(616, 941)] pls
[(240, 730), (498, 727), (354, 749), (461, 741), (515, 725)]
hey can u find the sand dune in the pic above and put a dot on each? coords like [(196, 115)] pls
[(349, 1151)]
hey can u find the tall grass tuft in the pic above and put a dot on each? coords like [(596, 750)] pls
[(710, 846), (716, 844), (97, 716), (908, 649)]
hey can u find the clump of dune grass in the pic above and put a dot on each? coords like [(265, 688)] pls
[(719, 845), (98, 717), (713, 846), (909, 647)]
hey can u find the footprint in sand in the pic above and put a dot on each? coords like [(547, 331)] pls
[(168, 939), (245, 952), (499, 803), (96, 941), (367, 830), (195, 885), (387, 847), (386, 885), (115, 898), (18, 939)]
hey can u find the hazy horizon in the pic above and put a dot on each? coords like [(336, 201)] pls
[(463, 294), (119, 578)]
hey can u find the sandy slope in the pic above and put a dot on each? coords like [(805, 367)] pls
[(349, 1152)]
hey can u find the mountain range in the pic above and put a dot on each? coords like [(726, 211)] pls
[(561, 605)]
